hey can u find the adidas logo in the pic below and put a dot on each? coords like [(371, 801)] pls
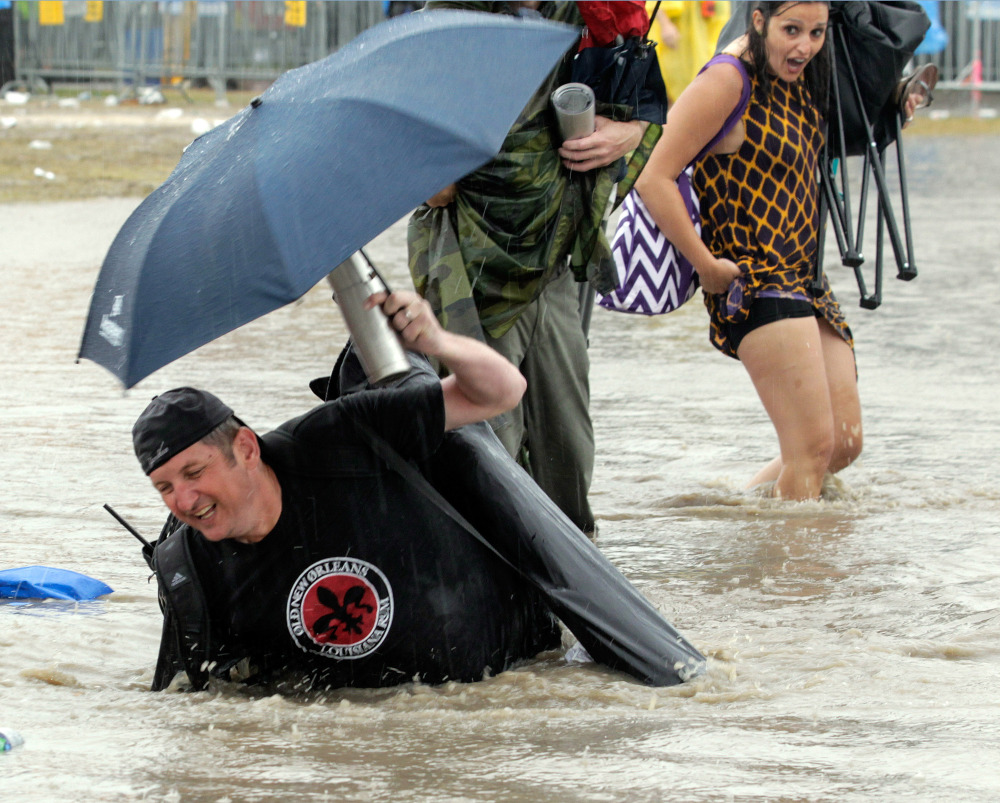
[(177, 579)]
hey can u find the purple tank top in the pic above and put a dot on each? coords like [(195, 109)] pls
[(741, 107)]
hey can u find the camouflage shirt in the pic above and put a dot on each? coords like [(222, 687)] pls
[(514, 222)]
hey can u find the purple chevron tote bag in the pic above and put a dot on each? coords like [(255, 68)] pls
[(653, 276)]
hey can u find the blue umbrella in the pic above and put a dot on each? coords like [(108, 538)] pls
[(265, 205)]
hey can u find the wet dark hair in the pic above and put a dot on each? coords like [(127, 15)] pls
[(817, 72)]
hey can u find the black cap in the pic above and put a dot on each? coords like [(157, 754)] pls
[(173, 421)]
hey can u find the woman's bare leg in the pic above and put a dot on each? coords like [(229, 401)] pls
[(842, 380), (786, 364), (769, 473), (842, 391)]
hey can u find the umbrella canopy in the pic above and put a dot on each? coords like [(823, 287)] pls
[(265, 205)]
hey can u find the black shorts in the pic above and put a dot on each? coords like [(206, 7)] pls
[(767, 310)]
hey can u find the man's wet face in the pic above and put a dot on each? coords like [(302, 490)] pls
[(206, 490)]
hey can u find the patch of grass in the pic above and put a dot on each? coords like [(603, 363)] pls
[(87, 162), (953, 127), (99, 157)]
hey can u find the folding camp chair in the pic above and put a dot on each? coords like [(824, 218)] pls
[(871, 43), (874, 41)]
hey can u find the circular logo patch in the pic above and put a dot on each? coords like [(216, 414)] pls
[(340, 608)]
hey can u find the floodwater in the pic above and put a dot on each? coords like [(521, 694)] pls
[(853, 643)]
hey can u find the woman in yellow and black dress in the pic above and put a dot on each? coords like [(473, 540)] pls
[(760, 213)]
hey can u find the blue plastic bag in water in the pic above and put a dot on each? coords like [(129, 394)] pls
[(45, 582)]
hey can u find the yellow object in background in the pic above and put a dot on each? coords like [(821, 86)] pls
[(685, 33), (95, 11), (50, 12), (295, 13)]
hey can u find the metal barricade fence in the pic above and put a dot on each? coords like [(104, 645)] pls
[(241, 43), (128, 44), (970, 60)]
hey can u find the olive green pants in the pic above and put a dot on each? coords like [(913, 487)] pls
[(550, 431)]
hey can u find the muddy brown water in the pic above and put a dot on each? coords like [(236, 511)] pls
[(853, 643)]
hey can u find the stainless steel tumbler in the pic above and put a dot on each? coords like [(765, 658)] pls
[(574, 105), (377, 343)]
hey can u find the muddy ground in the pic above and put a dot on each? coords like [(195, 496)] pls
[(55, 148), (66, 148)]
